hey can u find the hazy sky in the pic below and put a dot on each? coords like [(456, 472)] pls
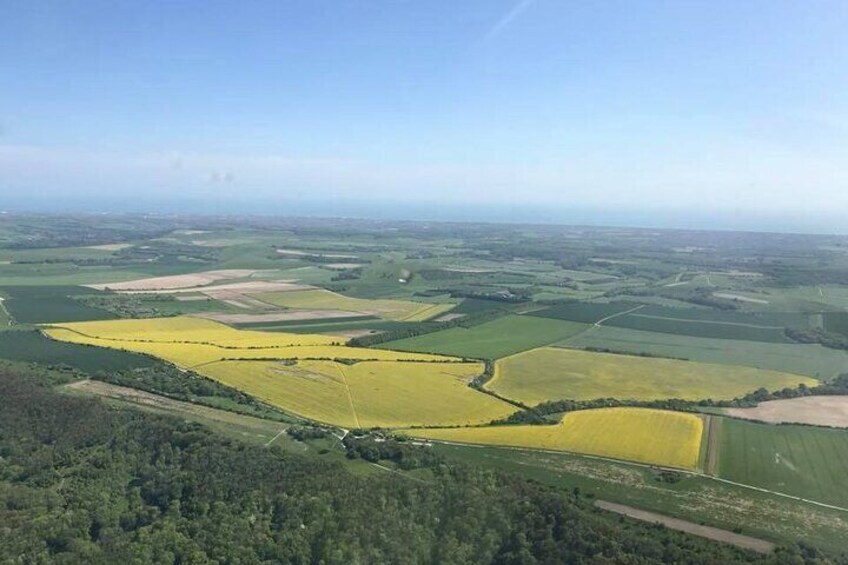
[(712, 105)]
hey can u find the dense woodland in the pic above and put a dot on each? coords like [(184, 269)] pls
[(84, 483)]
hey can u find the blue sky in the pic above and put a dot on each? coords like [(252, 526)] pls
[(624, 105)]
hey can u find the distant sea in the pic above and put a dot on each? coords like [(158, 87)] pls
[(449, 212)]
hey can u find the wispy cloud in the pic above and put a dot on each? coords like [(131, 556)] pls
[(517, 9)]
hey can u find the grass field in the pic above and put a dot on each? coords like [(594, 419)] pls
[(804, 359), (32, 347), (320, 299), (696, 322), (836, 322), (367, 394), (498, 338), (552, 373), (803, 461), (42, 304), (656, 437)]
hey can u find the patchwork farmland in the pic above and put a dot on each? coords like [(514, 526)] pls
[(463, 340)]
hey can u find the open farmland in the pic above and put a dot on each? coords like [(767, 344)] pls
[(816, 410), (803, 461), (191, 342), (551, 373), (491, 340), (320, 299), (696, 322), (655, 437), (42, 304), (804, 359), (173, 282), (366, 394), (182, 329), (31, 346)]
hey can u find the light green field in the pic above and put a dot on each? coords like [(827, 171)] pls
[(803, 359), (366, 394), (656, 437), (492, 340), (800, 460), (320, 299), (552, 373)]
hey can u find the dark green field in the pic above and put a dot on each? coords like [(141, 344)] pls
[(804, 461), (585, 312), (44, 304), (700, 328), (492, 340), (836, 322), (32, 347)]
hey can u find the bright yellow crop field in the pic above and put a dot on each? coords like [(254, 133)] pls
[(320, 299), (656, 437), (185, 353), (366, 394), (184, 329), (552, 373)]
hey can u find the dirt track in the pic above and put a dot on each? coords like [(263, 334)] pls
[(816, 410), (739, 540)]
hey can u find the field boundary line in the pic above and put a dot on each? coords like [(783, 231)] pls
[(349, 395), (6, 311), (600, 322), (693, 321), (643, 466), (273, 439)]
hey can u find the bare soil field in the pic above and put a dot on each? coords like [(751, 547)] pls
[(247, 287), (739, 540), (175, 281), (815, 410), (341, 266), (287, 316), (449, 317), (296, 253), (110, 246)]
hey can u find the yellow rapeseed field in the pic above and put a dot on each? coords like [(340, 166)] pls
[(366, 394), (320, 299), (195, 348), (656, 437), (184, 329), (551, 373), (386, 388)]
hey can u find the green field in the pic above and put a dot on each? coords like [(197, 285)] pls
[(491, 340), (552, 373), (836, 322), (32, 347), (803, 461), (804, 359), (42, 304), (696, 322)]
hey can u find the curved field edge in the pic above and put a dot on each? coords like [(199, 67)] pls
[(552, 373), (648, 436), (387, 394), (333, 384)]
